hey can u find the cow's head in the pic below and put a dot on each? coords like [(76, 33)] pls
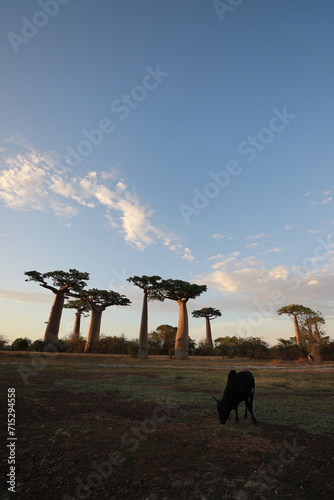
[(224, 410)]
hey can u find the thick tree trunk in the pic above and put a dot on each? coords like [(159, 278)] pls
[(93, 335), (182, 334), (208, 337), (143, 345), (76, 327), (297, 332), (52, 327)]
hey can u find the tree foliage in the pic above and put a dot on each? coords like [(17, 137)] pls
[(207, 312), (252, 347), (310, 323), (21, 344), (62, 283), (79, 305), (103, 298), (162, 339), (179, 290), (149, 285), (72, 280), (4, 343)]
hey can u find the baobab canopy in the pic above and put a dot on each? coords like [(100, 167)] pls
[(62, 283)]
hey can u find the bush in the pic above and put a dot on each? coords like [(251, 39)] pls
[(21, 344), (4, 345), (133, 349), (171, 352), (327, 351), (37, 346), (113, 345), (289, 352), (75, 345)]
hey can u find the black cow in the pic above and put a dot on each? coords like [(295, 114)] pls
[(240, 387)]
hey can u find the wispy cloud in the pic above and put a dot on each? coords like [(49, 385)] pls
[(253, 245), (248, 281), (32, 180), (30, 297), (326, 200), (218, 236), (258, 236), (273, 250)]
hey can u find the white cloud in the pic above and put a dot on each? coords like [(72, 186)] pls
[(255, 237), (273, 250), (218, 236), (253, 245), (326, 200), (187, 255), (287, 227), (313, 282), (248, 282), (31, 180)]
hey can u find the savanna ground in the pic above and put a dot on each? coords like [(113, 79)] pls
[(113, 427)]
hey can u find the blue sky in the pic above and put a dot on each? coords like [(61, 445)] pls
[(179, 138)]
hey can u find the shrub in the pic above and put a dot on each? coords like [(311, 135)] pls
[(75, 345), (21, 344), (133, 349)]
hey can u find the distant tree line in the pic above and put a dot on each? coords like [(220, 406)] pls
[(69, 289), (162, 340)]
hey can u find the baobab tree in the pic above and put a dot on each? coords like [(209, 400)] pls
[(62, 284), (209, 313), (98, 301), (312, 335), (181, 291), (81, 309), (149, 285), (295, 310)]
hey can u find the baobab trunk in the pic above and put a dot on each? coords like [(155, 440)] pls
[(143, 345), (297, 332), (93, 335), (76, 326), (208, 337), (52, 327), (182, 334)]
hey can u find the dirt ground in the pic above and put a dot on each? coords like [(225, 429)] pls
[(98, 446)]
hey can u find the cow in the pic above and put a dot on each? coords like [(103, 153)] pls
[(240, 387)]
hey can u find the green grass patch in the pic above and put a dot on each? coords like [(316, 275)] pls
[(290, 397)]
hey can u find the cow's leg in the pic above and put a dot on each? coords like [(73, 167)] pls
[(236, 415), (250, 409), (245, 416)]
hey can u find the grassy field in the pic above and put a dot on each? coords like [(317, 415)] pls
[(115, 427)]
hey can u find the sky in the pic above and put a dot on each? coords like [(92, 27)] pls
[(187, 139)]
